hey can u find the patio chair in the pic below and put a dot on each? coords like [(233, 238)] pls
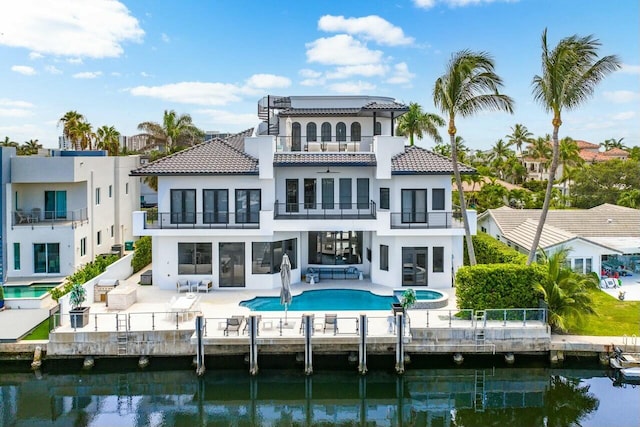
[(21, 217), (183, 285), (35, 215), (204, 286), (331, 322), (233, 325)]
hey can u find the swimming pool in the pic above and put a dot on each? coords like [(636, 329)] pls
[(34, 290), (427, 298), (324, 299)]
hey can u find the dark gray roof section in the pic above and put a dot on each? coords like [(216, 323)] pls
[(298, 112), (418, 161), (215, 157), (237, 140), (387, 106), (324, 159)]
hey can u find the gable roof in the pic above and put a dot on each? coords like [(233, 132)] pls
[(215, 157), (523, 234), (419, 161)]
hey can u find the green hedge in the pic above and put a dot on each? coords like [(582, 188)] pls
[(487, 286), (83, 275), (142, 254), (491, 251)]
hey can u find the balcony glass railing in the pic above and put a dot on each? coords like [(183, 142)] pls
[(37, 216), (363, 210), (421, 220), (201, 220), (333, 144)]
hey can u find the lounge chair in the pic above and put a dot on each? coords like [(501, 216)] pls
[(331, 322), (21, 217), (183, 285), (233, 325), (204, 286)]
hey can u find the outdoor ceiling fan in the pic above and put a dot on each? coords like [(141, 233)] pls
[(328, 171)]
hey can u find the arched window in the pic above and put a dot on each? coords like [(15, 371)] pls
[(378, 129), (326, 132), (356, 132), (296, 134), (341, 132), (312, 132)]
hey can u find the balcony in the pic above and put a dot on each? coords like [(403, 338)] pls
[(306, 211), (36, 217), (201, 220), (426, 220), (332, 144)]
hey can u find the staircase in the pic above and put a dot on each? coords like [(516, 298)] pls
[(122, 334), (265, 111), (479, 401)]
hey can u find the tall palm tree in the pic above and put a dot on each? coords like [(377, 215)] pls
[(31, 147), (70, 121), (468, 86), (569, 158), (8, 142), (84, 135), (570, 74), (498, 155), (416, 122), (108, 138), (608, 144), (519, 135), (175, 130)]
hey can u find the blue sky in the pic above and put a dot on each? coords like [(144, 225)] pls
[(124, 62)]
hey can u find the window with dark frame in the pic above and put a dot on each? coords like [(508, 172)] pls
[(292, 195), (248, 206), (183, 206), (194, 258), (266, 257), (215, 206), (312, 132), (438, 259), (327, 193), (356, 132), (345, 193), (384, 198), (309, 193), (362, 193), (437, 199), (341, 132), (325, 131), (384, 257)]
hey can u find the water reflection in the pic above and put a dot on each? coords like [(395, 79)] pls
[(443, 397)]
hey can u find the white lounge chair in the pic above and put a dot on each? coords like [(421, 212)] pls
[(183, 285), (204, 286)]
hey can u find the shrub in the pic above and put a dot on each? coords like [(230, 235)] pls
[(142, 254), (77, 296), (83, 275), (491, 251), (498, 286)]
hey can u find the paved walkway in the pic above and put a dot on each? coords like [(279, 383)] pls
[(630, 286)]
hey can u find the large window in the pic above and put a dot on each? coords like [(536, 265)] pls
[(55, 204), (292, 195), (231, 265), (335, 247), (327, 193), (46, 258), (296, 137), (312, 132), (377, 129), (437, 199), (325, 131), (309, 193), (414, 266), (341, 132), (215, 206), (414, 205), (384, 198), (345, 193), (183, 206), (438, 259), (384, 257), (194, 258), (16, 256), (356, 132), (248, 206), (266, 257), (363, 193)]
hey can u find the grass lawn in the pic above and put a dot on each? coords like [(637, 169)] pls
[(614, 318), (41, 332)]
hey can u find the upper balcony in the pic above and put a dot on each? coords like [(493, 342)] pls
[(37, 218), (325, 144), (201, 220), (426, 220), (312, 210)]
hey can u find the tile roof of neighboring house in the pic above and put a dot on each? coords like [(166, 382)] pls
[(469, 186), (616, 152), (418, 161), (590, 156), (523, 234), (215, 157), (584, 144), (324, 159)]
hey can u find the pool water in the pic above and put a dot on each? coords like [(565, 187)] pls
[(324, 299), (35, 290), (427, 295)]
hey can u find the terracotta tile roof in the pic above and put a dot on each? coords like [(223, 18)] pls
[(469, 186), (214, 157), (584, 144), (324, 159), (418, 161), (590, 156), (616, 152)]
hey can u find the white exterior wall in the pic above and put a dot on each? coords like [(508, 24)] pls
[(582, 249)]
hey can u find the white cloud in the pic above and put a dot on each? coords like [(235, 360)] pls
[(52, 69), (428, 4), (265, 81), (312, 82), (401, 74), (341, 50), (630, 69), (353, 88), (24, 69), (35, 55), (145, 74), (116, 74), (87, 75), (200, 93), (367, 70), (624, 115), (621, 96), (14, 112), (370, 27), (224, 119), (424, 4), (95, 29), (6, 102), (75, 61), (309, 74), (165, 38)]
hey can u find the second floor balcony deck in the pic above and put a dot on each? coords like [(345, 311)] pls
[(328, 144), (201, 220), (314, 210), (36, 217), (422, 220)]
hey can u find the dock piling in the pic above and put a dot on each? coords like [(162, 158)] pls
[(308, 356), (253, 345), (200, 368), (400, 343), (362, 353)]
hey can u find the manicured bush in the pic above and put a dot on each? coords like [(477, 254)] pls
[(491, 251), (83, 275), (487, 286), (142, 254)]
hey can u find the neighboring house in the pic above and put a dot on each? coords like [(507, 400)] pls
[(61, 211), (323, 179), (6, 154), (599, 237)]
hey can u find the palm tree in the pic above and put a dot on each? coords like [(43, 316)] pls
[(564, 291), (569, 158), (613, 143), (499, 153), (175, 130), (108, 138), (9, 143), (540, 149), (519, 135), (70, 121), (30, 147), (570, 73), (416, 122), (469, 85), (84, 135)]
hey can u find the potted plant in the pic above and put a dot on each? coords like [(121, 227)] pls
[(79, 314), (408, 299)]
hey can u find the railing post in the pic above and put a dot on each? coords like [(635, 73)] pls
[(450, 318), (153, 321), (524, 317), (505, 318), (427, 318)]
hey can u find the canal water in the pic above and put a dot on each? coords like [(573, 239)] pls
[(480, 393)]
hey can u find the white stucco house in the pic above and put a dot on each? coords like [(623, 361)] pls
[(321, 178), (63, 210), (606, 237)]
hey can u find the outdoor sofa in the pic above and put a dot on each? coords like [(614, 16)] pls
[(319, 273)]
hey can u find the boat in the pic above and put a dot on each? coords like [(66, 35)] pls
[(624, 360), (631, 373)]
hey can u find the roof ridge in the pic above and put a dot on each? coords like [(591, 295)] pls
[(244, 153)]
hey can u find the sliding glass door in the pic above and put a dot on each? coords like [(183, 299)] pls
[(414, 266), (232, 269), (46, 258)]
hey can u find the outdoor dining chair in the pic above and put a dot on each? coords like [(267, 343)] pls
[(331, 322), (233, 325)]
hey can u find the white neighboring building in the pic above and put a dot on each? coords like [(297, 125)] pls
[(324, 179), (63, 211), (603, 236)]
